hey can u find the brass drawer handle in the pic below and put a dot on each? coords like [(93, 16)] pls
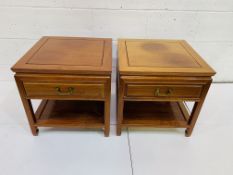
[(70, 90), (168, 92), (157, 92)]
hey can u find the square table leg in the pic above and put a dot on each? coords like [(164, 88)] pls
[(107, 108), (120, 105), (28, 108), (196, 111)]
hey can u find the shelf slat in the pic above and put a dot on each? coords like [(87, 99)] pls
[(68, 113), (154, 114)]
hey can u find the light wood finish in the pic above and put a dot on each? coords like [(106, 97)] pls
[(155, 77), (196, 111), (154, 114), (160, 57), (75, 90), (107, 106), (28, 108), (184, 110), (120, 104), (70, 113), (166, 91), (68, 55), (73, 77)]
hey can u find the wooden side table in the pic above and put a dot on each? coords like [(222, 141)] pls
[(72, 76), (155, 77)]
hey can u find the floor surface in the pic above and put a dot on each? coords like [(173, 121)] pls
[(209, 151)]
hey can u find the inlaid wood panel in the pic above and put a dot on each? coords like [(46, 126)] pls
[(68, 55), (159, 54), (160, 57), (70, 52)]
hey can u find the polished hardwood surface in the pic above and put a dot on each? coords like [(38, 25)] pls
[(153, 114), (160, 57), (155, 78), (169, 91), (35, 89), (72, 76), (68, 55), (70, 113)]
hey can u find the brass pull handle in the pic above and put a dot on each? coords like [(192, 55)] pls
[(169, 92), (69, 91), (157, 92)]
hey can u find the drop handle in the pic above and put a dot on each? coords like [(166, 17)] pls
[(157, 92), (169, 91), (69, 91)]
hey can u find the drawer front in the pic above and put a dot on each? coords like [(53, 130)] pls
[(64, 90), (169, 91)]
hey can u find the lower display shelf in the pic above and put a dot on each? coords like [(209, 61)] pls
[(155, 114), (70, 113)]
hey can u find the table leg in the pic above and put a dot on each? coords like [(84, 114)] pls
[(107, 107), (28, 108), (106, 118), (196, 111), (120, 106)]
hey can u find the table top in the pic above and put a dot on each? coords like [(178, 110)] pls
[(160, 57), (68, 55)]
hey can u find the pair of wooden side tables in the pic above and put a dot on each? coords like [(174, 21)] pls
[(72, 76)]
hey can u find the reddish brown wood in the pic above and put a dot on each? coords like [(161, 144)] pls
[(28, 108), (56, 90), (154, 114), (71, 113), (184, 110), (68, 55), (196, 111), (107, 108), (73, 77), (120, 105), (153, 74), (160, 57), (166, 90)]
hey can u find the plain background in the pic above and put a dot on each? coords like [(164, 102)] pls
[(206, 24)]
